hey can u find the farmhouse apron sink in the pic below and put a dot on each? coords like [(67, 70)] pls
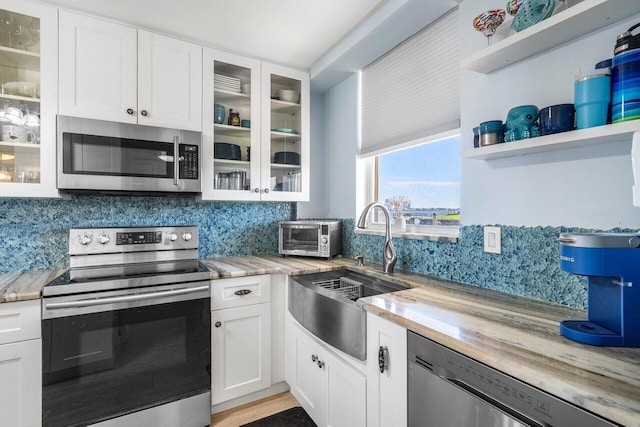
[(325, 304)]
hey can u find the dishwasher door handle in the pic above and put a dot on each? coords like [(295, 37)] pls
[(492, 402)]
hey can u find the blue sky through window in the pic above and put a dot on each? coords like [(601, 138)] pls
[(428, 175)]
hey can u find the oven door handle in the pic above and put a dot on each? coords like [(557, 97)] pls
[(124, 298)]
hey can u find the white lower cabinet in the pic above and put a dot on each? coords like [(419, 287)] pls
[(331, 390), (240, 338), (20, 364), (386, 391)]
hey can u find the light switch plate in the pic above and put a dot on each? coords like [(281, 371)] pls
[(492, 240)]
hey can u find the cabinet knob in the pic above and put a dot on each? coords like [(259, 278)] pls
[(144, 113), (313, 358), (130, 111), (266, 190), (257, 190), (383, 359), (218, 324), (320, 364)]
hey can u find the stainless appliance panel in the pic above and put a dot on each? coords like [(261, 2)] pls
[(100, 366), (97, 155), (449, 389), (192, 411), (171, 238), (96, 302)]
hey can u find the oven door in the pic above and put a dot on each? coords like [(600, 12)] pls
[(109, 354), (300, 239), (107, 156)]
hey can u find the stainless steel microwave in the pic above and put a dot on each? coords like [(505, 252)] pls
[(310, 238), (101, 156)]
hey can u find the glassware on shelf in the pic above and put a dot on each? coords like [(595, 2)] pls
[(488, 22), (5, 28), (33, 27)]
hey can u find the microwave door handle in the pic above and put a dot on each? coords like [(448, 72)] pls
[(176, 160)]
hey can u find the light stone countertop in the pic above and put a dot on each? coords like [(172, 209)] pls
[(27, 285), (520, 337), (516, 335)]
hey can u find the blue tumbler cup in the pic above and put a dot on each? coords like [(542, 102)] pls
[(592, 98)]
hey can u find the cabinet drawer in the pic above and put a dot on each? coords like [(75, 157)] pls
[(19, 321), (240, 291)]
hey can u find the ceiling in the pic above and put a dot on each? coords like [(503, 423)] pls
[(289, 32)]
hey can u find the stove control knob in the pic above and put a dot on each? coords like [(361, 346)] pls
[(173, 237), (85, 239), (186, 236), (324, 240), (103, 239)]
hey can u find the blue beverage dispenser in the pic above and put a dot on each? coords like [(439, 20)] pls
[(612, 263)]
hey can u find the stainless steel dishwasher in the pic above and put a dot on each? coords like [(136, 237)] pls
[(449, 389)]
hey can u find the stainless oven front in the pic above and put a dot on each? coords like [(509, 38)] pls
[(102, 156), (126, 331), (114, 358)]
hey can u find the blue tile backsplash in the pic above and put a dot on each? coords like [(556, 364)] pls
[(527, 266), (34, 232), (34, 235)]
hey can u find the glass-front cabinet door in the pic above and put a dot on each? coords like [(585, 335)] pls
[(28, 99), (285, 134), (231, 127)]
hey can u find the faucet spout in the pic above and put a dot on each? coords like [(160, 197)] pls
[(389, 257)]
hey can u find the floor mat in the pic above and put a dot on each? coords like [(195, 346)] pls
[(294, 417)]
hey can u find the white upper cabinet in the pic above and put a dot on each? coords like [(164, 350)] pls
[(169, 82), (28, 99), (98, 69), (285, 134), (265, 154), (114, 72), (231, 154)]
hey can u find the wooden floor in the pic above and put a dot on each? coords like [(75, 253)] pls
[(254, 411)]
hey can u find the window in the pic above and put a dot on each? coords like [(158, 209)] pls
[(409, 138), (421, 184)]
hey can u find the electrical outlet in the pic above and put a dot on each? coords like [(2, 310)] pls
[(492, 240)]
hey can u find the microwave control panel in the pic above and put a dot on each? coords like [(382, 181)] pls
[(189, 162), (323, 246)]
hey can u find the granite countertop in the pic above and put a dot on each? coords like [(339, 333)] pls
[(520, 337), (22, 286), (517, 335)]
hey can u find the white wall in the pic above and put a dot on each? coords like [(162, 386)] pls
[(341, 106), (583, 187), (318, 206)]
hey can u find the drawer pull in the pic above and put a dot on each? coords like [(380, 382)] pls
[(242, 292)]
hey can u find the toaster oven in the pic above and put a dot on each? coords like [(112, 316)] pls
[(310, 238)]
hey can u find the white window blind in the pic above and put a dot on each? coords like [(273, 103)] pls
[(412, 93)]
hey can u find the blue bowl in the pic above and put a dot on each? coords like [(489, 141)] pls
[(556, 119)]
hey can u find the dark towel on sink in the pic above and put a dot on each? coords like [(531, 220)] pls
[(294, 417)]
